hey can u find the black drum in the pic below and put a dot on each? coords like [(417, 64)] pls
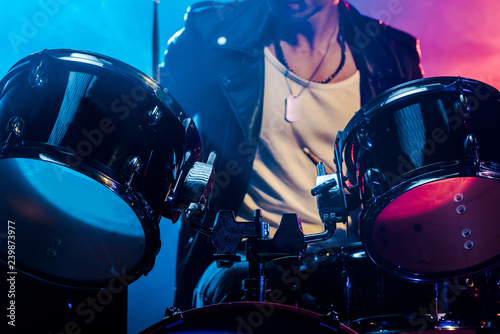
[(248, 317), (90, 149), (342, 279), (424, 158)]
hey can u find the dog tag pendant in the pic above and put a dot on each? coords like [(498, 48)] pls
[(293, 108)]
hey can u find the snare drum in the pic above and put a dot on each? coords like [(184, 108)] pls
[(424, 158), (90, 149), (248, 317)]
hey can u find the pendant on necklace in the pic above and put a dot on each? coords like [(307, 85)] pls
[(293, 108)]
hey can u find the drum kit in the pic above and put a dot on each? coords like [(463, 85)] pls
[(87, 172)]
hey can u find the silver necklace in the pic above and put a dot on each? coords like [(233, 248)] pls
[(293, 103)]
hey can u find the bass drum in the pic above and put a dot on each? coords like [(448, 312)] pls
[(247, 317), (90, 149), (425, 160)]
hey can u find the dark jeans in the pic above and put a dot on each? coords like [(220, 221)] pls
[(194, 255), (221, 285)]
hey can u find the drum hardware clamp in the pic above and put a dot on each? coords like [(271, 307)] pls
[(330, 200), (287, 245), (189, 197)]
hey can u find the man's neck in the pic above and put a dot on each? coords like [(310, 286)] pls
[(313, 33), (310, 47)]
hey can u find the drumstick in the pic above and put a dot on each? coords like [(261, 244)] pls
[(316, 160)]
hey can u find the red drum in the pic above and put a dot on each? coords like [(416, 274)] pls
[(424, 158), (90, 149), (248, 317)]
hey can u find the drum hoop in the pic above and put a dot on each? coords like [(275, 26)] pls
[(384, 101), (98, 60), (111, 64), (178, 318), (374, 104)]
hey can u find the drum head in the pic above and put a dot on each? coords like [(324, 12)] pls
[(426, 159), (68, 227), (90, 149), (248, 317)]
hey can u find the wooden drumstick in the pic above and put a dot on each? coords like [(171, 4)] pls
[(316, 160)]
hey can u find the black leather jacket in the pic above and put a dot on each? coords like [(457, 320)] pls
[(215, 69)]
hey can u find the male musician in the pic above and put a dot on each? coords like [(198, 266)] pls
[(263, 80)]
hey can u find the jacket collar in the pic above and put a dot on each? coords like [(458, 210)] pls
[(246, 28)]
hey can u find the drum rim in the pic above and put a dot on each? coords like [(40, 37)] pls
[(379, 103), (442, 83), (106, 62), (179, 316), (114, 65)]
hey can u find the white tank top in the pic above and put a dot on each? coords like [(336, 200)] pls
[(283, 174)]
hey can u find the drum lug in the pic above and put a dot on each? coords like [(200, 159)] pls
[(462, 107), (375, 181), (134, 166), (15, 130), (365, 138), (15, 126), (37, 77), (154, 116), (471, 146)]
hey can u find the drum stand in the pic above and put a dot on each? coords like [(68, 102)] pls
[(287, 246)]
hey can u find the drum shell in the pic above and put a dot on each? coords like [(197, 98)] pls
[(414, 153), (380, 135), (115, 131), (110, 125)]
